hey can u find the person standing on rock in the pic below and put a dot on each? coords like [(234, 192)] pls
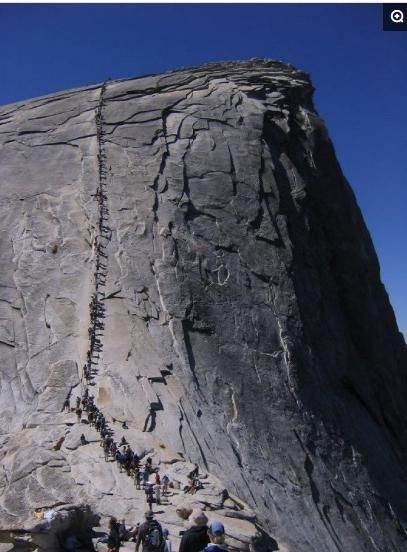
[(151, 535), (106, 448), (167, 542), (149, 465), (137, 476), (157, 491), (216, 532), (113, 540), (165, 482), (145, 477), (196, 537), (150, 496)]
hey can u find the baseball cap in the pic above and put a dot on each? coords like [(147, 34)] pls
[(216, 528), (149, 515)]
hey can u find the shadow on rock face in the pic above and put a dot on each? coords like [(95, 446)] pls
[(61, 530), (264, 543)]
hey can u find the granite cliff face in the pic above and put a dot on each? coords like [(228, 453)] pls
[(245, 324)]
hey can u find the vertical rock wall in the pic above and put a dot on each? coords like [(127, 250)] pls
[(47, 163), (246, 325)]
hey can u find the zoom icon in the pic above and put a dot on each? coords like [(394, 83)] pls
[(397, 16), (394, 17)]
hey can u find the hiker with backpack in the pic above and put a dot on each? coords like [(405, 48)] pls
[(150, 535)]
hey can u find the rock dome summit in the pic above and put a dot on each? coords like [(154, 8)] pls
[(184, 265)]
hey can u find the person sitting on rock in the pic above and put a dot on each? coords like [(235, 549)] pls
[(196, 537), (83, 440), (216, 533), (196, 485), (124, 533), (113, 540), (151, 535)]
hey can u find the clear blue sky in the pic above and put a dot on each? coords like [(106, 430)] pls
[(359, 72)]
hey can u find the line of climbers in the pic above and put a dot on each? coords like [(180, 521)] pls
[(149, 534)]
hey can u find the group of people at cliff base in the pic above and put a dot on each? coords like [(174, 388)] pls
[(200, 537)]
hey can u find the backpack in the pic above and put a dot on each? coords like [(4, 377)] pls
[(154, 537)]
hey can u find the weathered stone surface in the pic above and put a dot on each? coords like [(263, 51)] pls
[(245, 324)]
